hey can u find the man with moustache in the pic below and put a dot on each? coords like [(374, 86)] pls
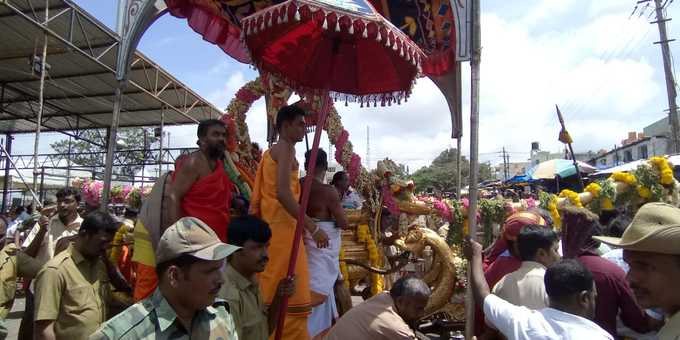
[(185, 304), (72, 289), (253, 320), (201, 188), (651, 247)]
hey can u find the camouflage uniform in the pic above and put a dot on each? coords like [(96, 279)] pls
[(154, 318)]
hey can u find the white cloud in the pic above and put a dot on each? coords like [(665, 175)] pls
[(586, 56)]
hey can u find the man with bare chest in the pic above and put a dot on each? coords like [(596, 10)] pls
[(201, 188), (326, 210)]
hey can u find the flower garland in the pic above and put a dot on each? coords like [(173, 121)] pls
[(624, 177), (359, 176), (492, 212), (665, 170), (548, 202), (338, 136), (343, 268), (456, 223), (374, 258), (573, 197), (120, 194)]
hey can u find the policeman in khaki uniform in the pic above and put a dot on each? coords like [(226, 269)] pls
[(189, 260), (8, 284), (71, 290)]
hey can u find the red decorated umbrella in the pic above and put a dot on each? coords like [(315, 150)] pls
[(338, 49)]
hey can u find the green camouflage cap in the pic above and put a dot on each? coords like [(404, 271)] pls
[(192, 236)]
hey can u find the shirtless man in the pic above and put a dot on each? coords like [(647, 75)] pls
[(326, 209), (201, 188)]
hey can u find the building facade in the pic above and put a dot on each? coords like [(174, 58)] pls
[(642, 148)]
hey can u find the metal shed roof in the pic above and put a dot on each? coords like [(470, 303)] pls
[(80, 82)]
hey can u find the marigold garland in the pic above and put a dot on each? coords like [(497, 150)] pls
[(664, 168), (572, 197), (343, 268), (374, 258), (594, 188), (624, 177)]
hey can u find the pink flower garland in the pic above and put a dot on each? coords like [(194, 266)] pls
[(354, 168), (340, 145), (246, 95)]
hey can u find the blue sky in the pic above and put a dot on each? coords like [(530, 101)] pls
[(587, 56)]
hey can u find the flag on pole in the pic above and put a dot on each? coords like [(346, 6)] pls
[(564, 134)]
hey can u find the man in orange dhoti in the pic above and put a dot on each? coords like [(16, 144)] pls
[(275, 200), (200, 188)]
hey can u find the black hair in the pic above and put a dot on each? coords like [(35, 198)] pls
[(183, 261), (130, 213), (29, 209), (567, 277), (410, 286), (242, 229), (204, 125), (18, 210), (338, 176), (618, 225), (533, 237), (69, 191), (97, 221), (321, 159), (287, 114)]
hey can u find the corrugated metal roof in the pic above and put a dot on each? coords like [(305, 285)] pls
[(80, 83)]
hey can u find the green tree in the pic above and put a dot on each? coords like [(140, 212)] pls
[(441, 174), (86, 154)]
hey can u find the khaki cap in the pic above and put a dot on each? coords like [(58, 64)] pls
[(654, 229), (192, 236)]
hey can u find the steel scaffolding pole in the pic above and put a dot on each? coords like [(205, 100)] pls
[(41, 98)]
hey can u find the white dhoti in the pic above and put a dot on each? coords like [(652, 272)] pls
[(324, 270)]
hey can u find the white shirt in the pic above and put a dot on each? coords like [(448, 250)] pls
[(56, 231), (520, 323), (351, 200), (524, 286)]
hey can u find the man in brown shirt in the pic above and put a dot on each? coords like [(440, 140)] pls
[(241, 290), (72, 288), (385, 316)]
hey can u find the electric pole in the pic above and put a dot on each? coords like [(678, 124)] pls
[(667, 66), (506, 161)]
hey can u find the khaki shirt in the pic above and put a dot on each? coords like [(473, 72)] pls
[(375, 319), (524, 287), (56, 231), (245, 305), (154, 318), (8, 279), (72, 291), (671, 330)]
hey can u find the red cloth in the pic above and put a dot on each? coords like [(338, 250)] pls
[(511, 228), (613, 294), (209, 200)]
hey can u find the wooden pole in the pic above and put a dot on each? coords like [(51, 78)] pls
[(571, 149), (668, 72), (475, 62)]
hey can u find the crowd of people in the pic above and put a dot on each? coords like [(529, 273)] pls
[(198, 261), (534, 283)]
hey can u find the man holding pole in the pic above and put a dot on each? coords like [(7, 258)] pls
[(275, 200)]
